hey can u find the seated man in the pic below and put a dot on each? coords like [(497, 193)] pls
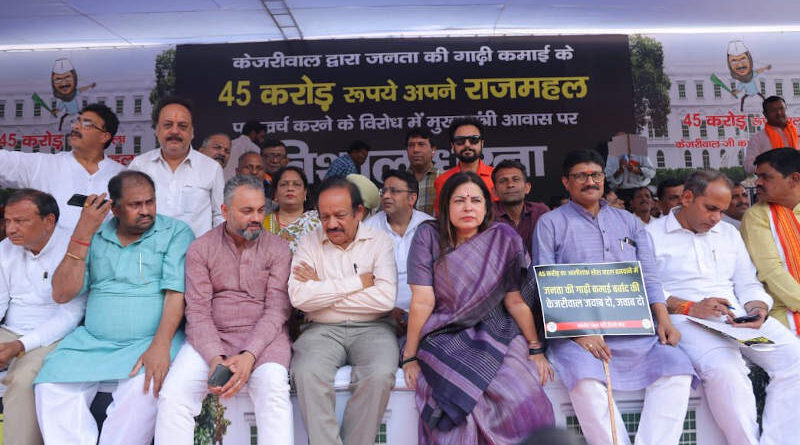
[(32, 322), (344, 278), (706, 273), (236, 311), (132, 269), (587, 230)]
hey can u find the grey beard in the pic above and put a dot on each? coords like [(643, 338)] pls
[(251, 235)]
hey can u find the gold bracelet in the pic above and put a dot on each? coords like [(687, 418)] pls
[(73, 256)]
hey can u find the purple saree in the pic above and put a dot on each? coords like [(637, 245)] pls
[(477, 385)]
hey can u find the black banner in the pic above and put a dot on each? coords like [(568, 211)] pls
[(589, 299), (538, 97)]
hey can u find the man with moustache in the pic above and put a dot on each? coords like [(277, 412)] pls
[(84, 170), (466, 141), (400, 220), (188, 184), (32, 322), (740, 202), (217, 146), (344, 278), (251, 138), (779, 132), (251, 164), (669, 193), (512, 185), (275, 156), (587, 230), (706, 273), (641, 204), (237, 307), (771, 231), (132, 270), (420, 149)]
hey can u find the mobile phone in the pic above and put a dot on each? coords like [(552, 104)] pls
[(746, 318), (220, 376), (79, 200)]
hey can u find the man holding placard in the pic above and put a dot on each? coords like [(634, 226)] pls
[(588, 230), (707, 274)]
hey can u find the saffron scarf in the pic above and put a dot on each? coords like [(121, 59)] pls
[(786, 230), (790, 131)]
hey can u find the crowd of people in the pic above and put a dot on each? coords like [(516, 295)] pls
[(219, 270)]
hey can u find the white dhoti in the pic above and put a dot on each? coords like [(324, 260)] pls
[(186, 386), (64, 417)]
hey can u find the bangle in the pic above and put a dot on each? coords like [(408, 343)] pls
[(536, 351), (79, 242), (73, 256), (408, 360)]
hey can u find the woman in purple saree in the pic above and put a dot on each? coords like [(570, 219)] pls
[(472, 351)]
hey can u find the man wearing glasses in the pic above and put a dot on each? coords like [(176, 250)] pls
[(466, 141), (275, 157), (84, 170)]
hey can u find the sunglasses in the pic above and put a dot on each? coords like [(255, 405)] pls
[(461, 140)]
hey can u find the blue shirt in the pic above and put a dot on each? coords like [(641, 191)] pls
[(341, 166)]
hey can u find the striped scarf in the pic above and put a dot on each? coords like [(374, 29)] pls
[(786, 230)]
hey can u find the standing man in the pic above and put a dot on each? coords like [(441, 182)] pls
[(251, 138), (400, 220), (188, 184), (771, 232), (251, 164), (350, 162), (779, 132), (669, 193), (587, 230), (32, 322), (237, 306), (466, 141), (420, 149), (217, 146), (707, 273), (629, 172), (344, 278), (512, 185), (275, 158), (740, 202), (132, 270), (84, 170)]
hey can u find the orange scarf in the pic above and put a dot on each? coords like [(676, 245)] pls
[(790, 131), (788, 230)]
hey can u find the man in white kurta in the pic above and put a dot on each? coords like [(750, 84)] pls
[(32, 323), (188, 184), (84, 170), (706, 272)]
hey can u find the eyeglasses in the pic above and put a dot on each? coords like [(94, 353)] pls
[(393, 191), (582, 177), (461, 140), (84, 123)]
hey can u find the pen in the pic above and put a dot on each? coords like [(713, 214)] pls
[(355, 268)]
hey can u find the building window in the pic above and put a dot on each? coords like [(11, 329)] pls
[(685, 131), (53, 105), (703, 129), (660, 159), (253, 435), (37, 109), (779, 88), (733, 85), (706, 159), (721, 132), (687, 159), (84, 102), (750, 127), (137, 105), (682, 90), (118, 149), (738, 131), (101, 100), (763, 88), (2, 109), (380, 438), (698, 86), (741, 158), (120, 104), (717, 91), (18, 108), (796, 87), (722, 160), (137, 145)]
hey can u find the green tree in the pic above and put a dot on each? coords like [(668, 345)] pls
[(650, 83), (165, 79)]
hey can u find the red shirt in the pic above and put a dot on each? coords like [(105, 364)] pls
[(484, 171)]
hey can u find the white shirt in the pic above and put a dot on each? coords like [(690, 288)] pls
[(58, 174), (401, 246), (239, 146), (693, 266), (734, 222), (26, 293), (628, 179), (192, 193)]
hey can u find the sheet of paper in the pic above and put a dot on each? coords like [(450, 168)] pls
[(626, 144), (753, 338)]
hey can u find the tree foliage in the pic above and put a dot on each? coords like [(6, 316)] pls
[(165, 78), (650, 83)]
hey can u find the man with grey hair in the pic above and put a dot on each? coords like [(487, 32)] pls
[(217, 146), (706, 273), (251, 164), (237, 307)]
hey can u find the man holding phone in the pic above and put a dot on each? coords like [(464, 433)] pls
[(706, 273), (237, 307)]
